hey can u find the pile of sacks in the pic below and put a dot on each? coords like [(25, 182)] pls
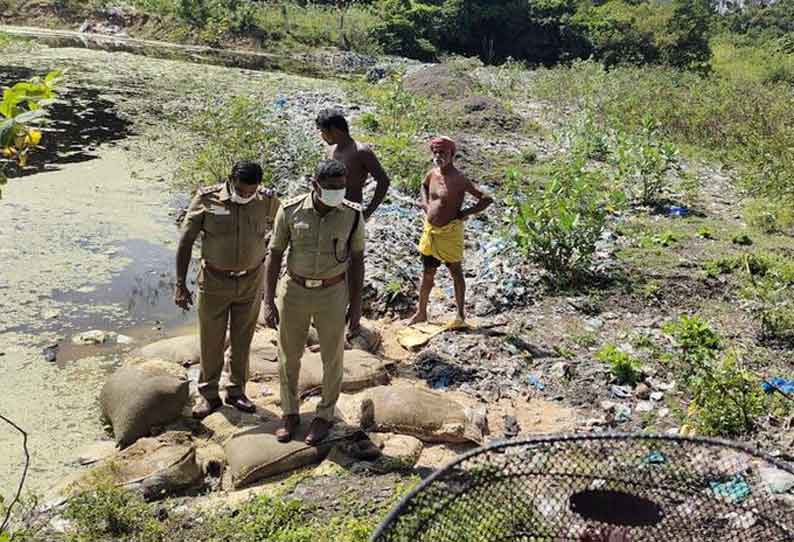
[(164, 451)]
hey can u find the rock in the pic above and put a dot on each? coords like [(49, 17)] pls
[(644, 406), (50, 353), (376, 73), (642, 391), (778, 481), (95, 336), (594, 324), (512, 429), (657, 396)]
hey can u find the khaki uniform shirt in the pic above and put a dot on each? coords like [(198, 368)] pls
[(234, 236), (317, 244)]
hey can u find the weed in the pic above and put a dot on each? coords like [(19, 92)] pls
[(115, 512), (768, 217), (726, 399), (559, 227), (742, 239), (585, 340), (625, 368), (651, 290), (705, 232)]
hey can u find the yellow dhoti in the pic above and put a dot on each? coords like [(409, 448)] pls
[(444, 243)]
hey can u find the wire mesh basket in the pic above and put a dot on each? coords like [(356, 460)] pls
[(613, 487)]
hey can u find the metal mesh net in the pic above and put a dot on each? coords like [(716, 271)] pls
[(627, 487)]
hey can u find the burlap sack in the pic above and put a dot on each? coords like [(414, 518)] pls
[(185, 351), (427, 415), (163, 465), (368, 339), (255, 454), (361, 370), (143, 395)]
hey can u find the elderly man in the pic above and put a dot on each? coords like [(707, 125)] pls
[(325, 236), (443, 193), (233, 219)]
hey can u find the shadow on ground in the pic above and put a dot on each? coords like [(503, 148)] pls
[(80, 122)]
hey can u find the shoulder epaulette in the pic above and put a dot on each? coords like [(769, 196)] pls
[(210, 189), (293, 201), (355, 206), (267, 192)]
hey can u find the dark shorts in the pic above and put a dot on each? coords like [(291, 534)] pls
[(430, 262)]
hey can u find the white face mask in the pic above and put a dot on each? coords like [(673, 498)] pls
[(332, 198), (237, 198)]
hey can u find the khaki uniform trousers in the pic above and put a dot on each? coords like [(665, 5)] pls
[(297, 307), (227, 302)]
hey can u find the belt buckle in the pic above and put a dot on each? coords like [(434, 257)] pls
[(313, 283), (237, 274)]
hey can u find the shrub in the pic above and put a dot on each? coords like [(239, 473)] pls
[(769, 217), (726, 399), (644, 163), (114, 512), (244, 129), (559, 227), (393, 128), (625, 368)]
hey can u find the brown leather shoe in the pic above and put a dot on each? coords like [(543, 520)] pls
[(318, 431), (204, 407), (242, 403), (289, 424)]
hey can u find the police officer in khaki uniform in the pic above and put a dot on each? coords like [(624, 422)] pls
[(234, 219), (325, 236)]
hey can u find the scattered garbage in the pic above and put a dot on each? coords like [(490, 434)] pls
[(535, 382), (96, 337), (655, 458), (621, 392), (677, 211), (776, 480), (735, 490), (779, 384)]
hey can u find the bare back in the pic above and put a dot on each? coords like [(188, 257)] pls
[(445, 194), (356, 159)]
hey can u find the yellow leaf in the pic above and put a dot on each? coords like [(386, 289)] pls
[(35, 136)]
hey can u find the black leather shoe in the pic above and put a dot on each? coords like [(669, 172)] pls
[(204, 407), (242, 403)]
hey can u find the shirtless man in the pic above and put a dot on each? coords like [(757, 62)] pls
[(358, 158), (443, 192)]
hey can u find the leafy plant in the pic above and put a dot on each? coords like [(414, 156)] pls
[(644, 163), (625, 368), (726, 399), (559, 227), (244, 129), (23, 107)]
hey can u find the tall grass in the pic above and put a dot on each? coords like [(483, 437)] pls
[(746, 122)]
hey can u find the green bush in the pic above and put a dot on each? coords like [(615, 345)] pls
[(769, 217), (624, 368), (393, 130), (558, 228), (112, 512), (644, 163), (726, 399), (244, 129)]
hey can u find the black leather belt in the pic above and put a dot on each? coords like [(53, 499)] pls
[(228, 273)]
